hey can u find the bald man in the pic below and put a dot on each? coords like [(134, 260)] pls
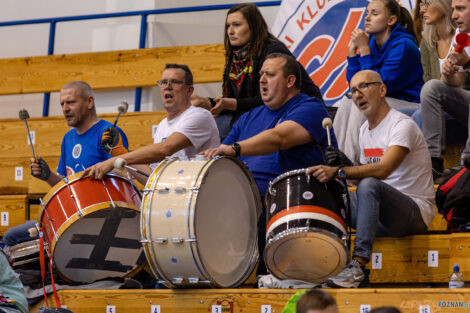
[(395, 195), (91, 140)]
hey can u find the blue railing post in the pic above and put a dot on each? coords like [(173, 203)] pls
[(143, 37), (50, 51)]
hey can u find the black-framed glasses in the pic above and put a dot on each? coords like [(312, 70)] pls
[(173, 82), (362, 87), (424, 4)]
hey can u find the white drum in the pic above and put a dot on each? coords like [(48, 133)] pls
[(199, 222)]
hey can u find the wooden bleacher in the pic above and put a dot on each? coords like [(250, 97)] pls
[(408, 300), (404, 260)]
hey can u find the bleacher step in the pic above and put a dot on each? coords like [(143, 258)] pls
[(408, 300)]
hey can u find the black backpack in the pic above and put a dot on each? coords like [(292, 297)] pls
[(453, 200)]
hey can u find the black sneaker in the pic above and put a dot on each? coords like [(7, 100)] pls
[(354, 275)]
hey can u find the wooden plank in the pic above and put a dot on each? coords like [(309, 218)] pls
[(250, 300), (460, 253), (15, 152), (405, 260), (12, 211), (49, 132), (115, 69)]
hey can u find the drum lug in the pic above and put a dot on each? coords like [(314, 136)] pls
[(161, 240), (162, 281), (194, 189), (163, 190), (191, 240), (145, 240), (180, 190), (146, 191), (177, 240), (177, 280), (193, 280)]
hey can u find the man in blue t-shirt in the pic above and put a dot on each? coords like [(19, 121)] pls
[(91, 140), (283, 135)]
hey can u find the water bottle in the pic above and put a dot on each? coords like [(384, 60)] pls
[(456, 280)]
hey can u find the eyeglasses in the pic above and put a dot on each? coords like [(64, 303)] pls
[(424, 4), (362, 87), (164, 83)]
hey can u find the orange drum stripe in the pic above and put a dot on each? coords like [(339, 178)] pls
[(305, 209)]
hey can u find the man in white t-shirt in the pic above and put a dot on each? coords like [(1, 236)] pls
[(395, 195), (186, 131), (446, 95)]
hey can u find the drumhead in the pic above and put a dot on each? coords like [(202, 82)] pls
[(226, 215)]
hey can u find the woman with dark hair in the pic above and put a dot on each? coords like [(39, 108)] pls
[(388, 46), (247, 43)]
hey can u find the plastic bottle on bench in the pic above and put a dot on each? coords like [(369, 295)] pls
[(456, 280)]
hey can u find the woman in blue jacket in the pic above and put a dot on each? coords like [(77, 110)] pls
[(387, 46)]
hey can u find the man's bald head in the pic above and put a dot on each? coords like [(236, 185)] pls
[(83, 90), (368, 74)]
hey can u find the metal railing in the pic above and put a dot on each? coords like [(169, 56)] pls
[(143, 30)]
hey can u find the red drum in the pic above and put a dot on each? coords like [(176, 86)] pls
[(306, 228), (92, 228)]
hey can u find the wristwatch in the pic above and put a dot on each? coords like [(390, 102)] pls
[(236, 147), (341, 173)]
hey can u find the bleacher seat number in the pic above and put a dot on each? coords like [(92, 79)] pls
[(5, 219), (424, 309), (216, 309), (433, 258), (110, 309), (376, 261), (266, 309), (155, 308), (364, 308)]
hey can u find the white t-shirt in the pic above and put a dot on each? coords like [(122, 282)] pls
[(197, 125), (413, 177)]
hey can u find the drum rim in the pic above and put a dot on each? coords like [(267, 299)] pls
[(73, 218), (286, 174), (255, 255), (298, 231), (75, 177)]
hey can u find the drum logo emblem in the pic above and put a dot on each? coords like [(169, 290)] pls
[(307, 195), (173, 260), (272, 208), (76, 151), (168, 214)]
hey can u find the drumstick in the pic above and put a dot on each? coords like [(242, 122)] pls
[(122, 108), (120, 164), (24, 115), (327, 124)]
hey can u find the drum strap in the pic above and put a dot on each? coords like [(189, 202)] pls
[(43, 270)]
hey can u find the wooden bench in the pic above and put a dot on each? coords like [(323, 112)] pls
[(15, 152), (408, 300), (111, 69)]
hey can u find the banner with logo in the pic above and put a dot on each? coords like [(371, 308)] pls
[(317, 32)]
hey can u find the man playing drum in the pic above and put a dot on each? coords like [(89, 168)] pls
[(283, 135), (395, 195), (185, 131), (90, 141)]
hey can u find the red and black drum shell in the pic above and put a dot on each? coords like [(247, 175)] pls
[(298, 197)]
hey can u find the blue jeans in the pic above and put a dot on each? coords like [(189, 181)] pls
[(378, 209), (224, 124), (19, 234)]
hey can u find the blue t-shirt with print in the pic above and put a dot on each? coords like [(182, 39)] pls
[(307, 111), (79, 152)]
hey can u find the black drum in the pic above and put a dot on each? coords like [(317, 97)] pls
[(306, 228)]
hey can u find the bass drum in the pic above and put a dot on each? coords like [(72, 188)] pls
[(199, 222), (92, 228), (306, 228)]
